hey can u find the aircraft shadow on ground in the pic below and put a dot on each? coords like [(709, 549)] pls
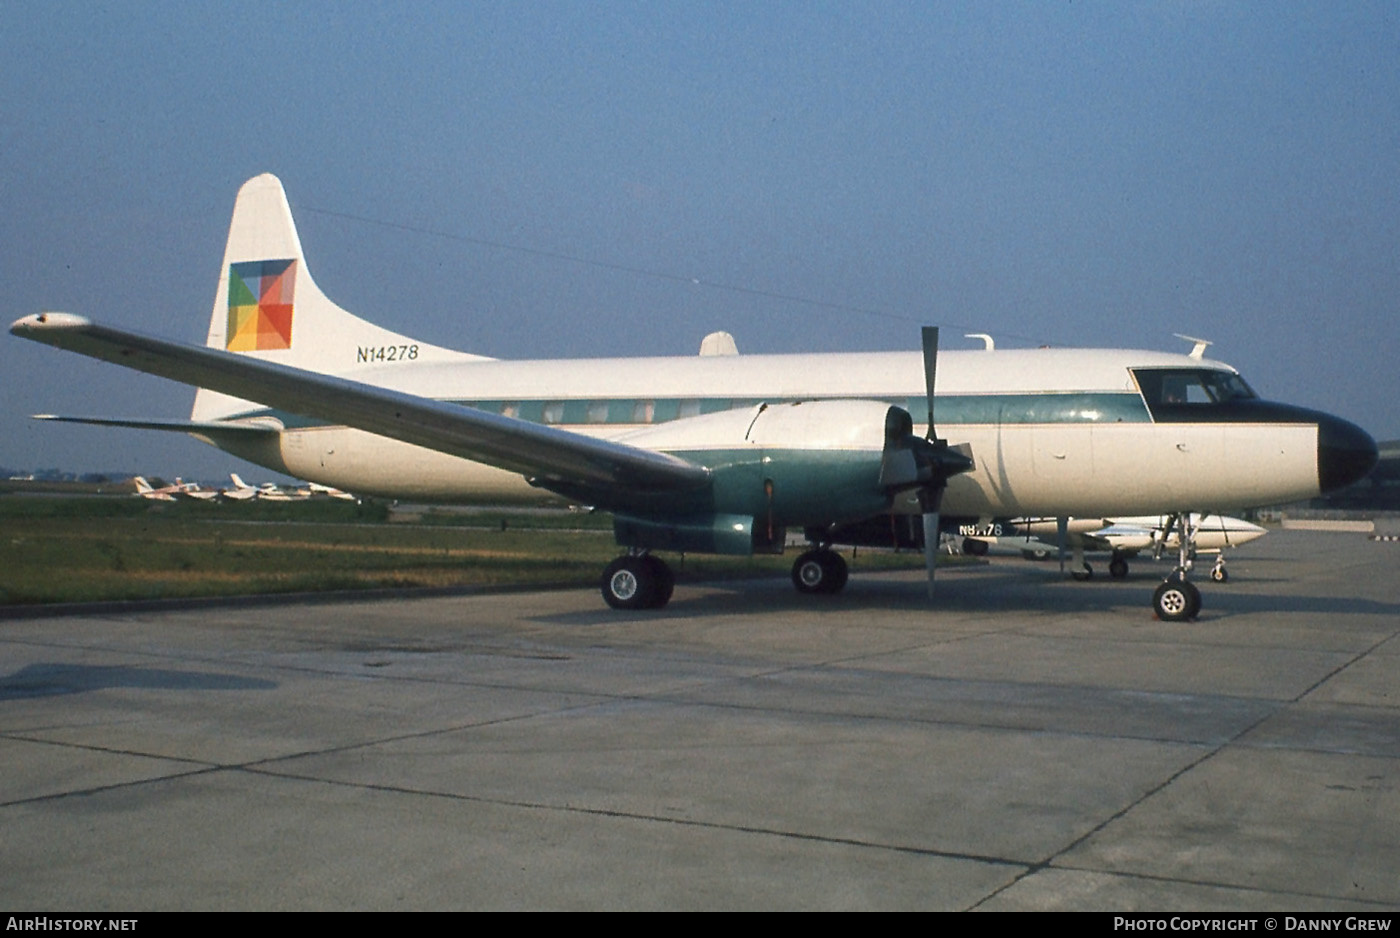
[(56, 680)]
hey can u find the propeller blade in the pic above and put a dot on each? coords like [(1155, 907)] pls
[(931, 539), (942, 461), (930, 338)]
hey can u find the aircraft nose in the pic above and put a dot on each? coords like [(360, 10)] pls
[(1345, 453)]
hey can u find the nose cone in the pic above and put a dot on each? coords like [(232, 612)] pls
[(1345, 453)]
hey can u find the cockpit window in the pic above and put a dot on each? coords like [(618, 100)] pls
[(1202, 387)]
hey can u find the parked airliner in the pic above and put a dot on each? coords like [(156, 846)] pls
[(718, 452)]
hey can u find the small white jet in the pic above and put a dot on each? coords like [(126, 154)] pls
[(718, 452), (169, 493), (268, 491), (195, 491), (272, 492), (1123, 538), (241, 491), (145, 490), (326, 491)]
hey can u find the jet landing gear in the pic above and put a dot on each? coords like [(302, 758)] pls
[(638, 581), (819, 571), (1177, 600)]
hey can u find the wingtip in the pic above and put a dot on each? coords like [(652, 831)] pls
[(46, 321)]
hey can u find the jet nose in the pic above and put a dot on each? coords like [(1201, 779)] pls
[(1345, 453)]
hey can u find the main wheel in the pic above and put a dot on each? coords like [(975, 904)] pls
[(1176, 601), (630, 583), (665, 580), (837, 572), (1118, 568), (819, 571)]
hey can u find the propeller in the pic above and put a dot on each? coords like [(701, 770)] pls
[(921, 464), (947, 462), (926, 464)]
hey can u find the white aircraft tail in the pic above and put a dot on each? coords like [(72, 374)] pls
[(267, 305)]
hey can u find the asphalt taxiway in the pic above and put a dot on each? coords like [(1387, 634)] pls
[(1024, 742)]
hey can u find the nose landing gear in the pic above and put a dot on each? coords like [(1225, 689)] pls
[(1177, 600)]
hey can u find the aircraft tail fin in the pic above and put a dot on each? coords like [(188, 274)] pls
[(268, 306)]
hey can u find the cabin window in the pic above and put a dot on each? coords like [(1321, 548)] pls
[(643, 411), (597, 412), (688, 409), (553, 412), (510, 410)]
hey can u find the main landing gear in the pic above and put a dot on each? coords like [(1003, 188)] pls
[(638, 581), (641, 581), (819, 571)]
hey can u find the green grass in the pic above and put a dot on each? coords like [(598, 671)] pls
[(85, 549)]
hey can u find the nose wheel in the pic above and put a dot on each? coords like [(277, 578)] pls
[(1176, 600)]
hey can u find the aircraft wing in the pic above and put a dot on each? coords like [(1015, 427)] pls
[(542, 454), (1121, 537)]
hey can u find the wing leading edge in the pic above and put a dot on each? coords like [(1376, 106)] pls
[(542, 454)]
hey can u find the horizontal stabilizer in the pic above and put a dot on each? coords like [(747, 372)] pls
[(257, 427)]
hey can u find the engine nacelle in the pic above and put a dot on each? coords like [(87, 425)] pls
[(775, 466)]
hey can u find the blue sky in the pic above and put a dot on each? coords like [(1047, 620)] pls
[(808, 176)]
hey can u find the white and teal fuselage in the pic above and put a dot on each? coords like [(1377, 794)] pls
[(1050, 431)]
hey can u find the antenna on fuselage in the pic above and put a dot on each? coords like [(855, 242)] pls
[(1198, 351), (987, 341)]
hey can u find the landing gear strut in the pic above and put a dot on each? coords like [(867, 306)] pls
[(637, 581), (1177, 600), (819, 571)]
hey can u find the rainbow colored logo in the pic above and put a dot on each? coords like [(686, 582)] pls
[(260, 305)]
